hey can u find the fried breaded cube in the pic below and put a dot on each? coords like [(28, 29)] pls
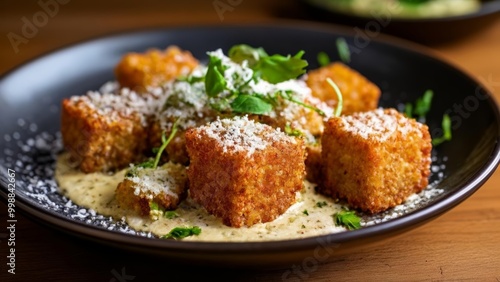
[(358, 93), (138, 71), (101, 132), (375, 160), (149, 191), (244, 172)]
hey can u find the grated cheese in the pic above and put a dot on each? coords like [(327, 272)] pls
[(378, 125), (242, 135)]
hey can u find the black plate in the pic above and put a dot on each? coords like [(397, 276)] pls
[(423, 30), (30, 98)]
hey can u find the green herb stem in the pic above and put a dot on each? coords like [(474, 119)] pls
[(338, 110), (165, 143)]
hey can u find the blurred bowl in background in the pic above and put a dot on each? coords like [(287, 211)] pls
[(427, 30)]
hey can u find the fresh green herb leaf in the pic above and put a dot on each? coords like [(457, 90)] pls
[(348, 219), (423, 104), (288, 96), (340, 103), (250, 104), (165, 142), (321, 204), (305, 212), (446, 125), (421, 108), (170, 214), (182, 232), (273, 69), (292, 132), (278, 68), (243, 52), (343, 49), (214, 79), (323, 59)]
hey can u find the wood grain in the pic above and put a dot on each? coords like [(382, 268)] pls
[(463, 244)]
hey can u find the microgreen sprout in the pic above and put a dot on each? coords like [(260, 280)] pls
[(422, 106), (338, 110), (323, 59), (165, 142), (446, 125), (343, 49)]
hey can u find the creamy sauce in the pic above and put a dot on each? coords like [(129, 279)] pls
[(97, 191)]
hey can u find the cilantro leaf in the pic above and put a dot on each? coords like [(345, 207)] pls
[(446, 125), (250, 104), (343, 49), (182, 232), (348, 219), (214, 79)]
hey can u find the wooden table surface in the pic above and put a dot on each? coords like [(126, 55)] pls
[(463, 244)]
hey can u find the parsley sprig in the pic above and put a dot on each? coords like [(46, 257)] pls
[(347, 219)]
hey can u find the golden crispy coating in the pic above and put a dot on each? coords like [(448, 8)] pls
[(359, 94), (166, 186), (375, 160), (244, 182), (99, 142), (153, 68)]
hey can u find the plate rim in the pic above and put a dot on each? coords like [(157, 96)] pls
[(407, 221)]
